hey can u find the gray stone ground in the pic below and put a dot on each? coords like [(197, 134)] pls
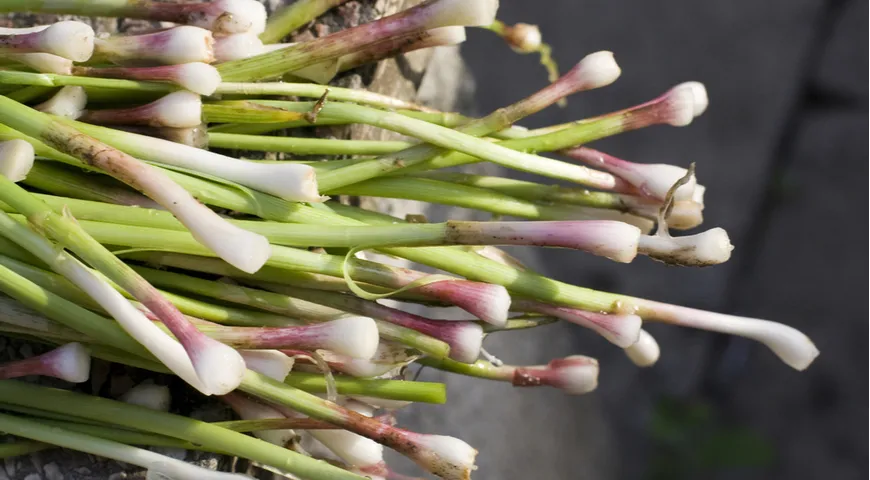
[(782, 152)]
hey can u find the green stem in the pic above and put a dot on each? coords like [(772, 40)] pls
[(22, 447), (445, 119), (57, 433), (531, 191), (467, 264), (478, 369), (129, 437), (310, 90), (287, 19), (293, 307), (266, 274), (438, 136), (28, 94), (576, 133), (189, 306), (304, 146), (55, 80), (387, 389), (194, 431), (71, 235), (62, 180), (403, 390), (282, 257), (288, 234), (448, 193), (67, 313), (519, 323)]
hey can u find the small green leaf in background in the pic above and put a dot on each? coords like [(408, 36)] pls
[(690, 439)]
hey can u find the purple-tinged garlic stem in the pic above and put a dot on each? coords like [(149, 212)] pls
[(177, 45), (177, 110), (622, 330), (198, 77), (650, 180), (219, 16), (485, 301), (437, 37), (790, 345), (67, 39), (464, 338), (71, 362), (425, 16), (356, 450), (617, 241), (42, 62), (355, 337)]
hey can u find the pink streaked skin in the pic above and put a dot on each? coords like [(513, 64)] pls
[(28, 366), (427, 15), (583, 76), (459, 335), (199, 347), (620, 329), (376, 471), (673, 107), (485, 301), (152, 48), (141, 115), (68, 39), (555, 374), (453, 333), (162, 73), (395, 46), (614, 240), (622, 169), (49, 365), (790, 345), (210, 15), (21, 43), (307, 337), (411, 444), (159, 113)]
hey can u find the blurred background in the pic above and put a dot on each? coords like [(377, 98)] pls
[(783, 152)]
